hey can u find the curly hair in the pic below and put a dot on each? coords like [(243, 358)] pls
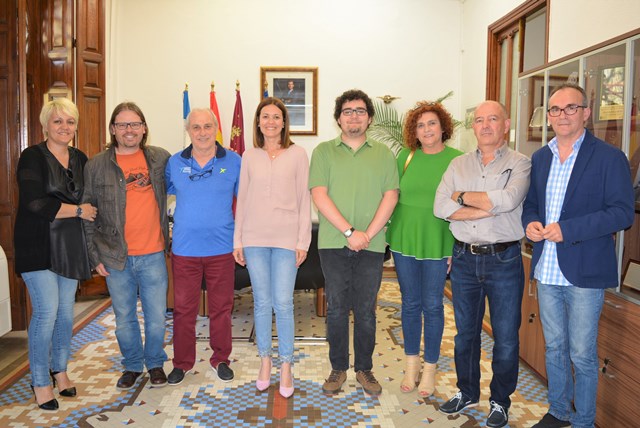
[(353, 95), (411, 122)]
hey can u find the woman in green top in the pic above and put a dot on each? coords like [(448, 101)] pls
[(421, 243)]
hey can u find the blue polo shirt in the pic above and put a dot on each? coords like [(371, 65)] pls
[(203, 219)]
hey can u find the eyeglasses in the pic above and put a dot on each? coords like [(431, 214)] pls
[(71, 185), (122, 126), (569, 110), (203, 174), (197, 176), (357, 111)]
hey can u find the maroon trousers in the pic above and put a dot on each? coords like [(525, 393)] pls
[(219, 274)]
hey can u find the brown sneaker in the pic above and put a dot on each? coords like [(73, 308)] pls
[(368, 382), (333, 384)]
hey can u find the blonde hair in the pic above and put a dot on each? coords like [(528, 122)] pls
[(59, 105)]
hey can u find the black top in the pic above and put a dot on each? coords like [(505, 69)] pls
[(42, 241)]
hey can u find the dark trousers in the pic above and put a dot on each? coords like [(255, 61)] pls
[(352, 281), (500, 278)]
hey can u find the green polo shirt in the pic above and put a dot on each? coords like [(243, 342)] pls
[(356, 182)]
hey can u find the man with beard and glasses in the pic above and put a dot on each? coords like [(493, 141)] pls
[(354, 184), (128, 239)]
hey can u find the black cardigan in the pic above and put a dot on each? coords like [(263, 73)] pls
[(36, 208)]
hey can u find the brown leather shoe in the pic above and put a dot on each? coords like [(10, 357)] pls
[(127, 380), (157, 376)]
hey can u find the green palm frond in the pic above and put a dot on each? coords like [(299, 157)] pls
[(387, 124)]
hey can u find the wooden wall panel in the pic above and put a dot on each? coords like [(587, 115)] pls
[(90, 76), (57, 48)]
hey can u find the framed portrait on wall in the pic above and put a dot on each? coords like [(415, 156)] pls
[(297, 87)]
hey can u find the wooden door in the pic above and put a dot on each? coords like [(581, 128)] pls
[(10, 146), (37, 63)]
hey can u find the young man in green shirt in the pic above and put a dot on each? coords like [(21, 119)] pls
[(354, 184)]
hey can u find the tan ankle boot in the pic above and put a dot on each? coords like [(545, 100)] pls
[(411, 373), (428, 382)]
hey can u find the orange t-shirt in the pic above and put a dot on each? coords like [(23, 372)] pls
[(142, 229)]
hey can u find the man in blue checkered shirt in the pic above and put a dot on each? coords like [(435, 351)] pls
[(580, 195)]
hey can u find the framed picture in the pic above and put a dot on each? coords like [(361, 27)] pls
[(610, 102), (297, 87), (538, 119), (631, 277), (468, 117)]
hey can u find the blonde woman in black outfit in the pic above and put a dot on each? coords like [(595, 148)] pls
[(50, 248)]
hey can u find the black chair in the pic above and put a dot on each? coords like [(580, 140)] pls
[(309, 276)]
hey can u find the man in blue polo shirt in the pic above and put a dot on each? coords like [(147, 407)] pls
[(204, 177)]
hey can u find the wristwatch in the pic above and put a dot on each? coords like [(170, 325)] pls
[(460, 200), (347, 233), (78, 211)]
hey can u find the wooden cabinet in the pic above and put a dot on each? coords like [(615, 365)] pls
[(619, 356), (531, 335), (618, 404)]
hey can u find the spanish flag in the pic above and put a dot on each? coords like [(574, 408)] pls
[(213, 104)]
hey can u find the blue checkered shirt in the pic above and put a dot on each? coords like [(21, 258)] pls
[(547, 270)]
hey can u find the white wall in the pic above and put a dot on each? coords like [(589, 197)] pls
[(578, 24), (405, 48), (477, 15)]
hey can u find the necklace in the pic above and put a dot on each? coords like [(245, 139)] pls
[(273, 153)]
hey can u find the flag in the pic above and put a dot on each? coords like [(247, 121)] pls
[(213, 104), (237, 127), (186, 109), (265, 94)]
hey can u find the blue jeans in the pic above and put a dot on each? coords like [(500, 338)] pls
[(500, 278), (352, 282), (570, 318), (422, 288), (273, 276), (51, 327), (145, 276)]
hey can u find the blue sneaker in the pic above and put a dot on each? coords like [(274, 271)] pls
[(457, 403)]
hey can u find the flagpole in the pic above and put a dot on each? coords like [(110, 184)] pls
[(186, 109)]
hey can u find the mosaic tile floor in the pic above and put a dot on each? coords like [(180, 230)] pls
[(203, 401)]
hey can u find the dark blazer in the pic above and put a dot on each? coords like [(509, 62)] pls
[(598, 203)]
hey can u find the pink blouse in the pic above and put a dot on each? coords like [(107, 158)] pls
[(274, 202)]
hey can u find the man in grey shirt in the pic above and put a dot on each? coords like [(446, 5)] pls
[(481, 194)]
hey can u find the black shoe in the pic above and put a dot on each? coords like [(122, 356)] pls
[(157, 377), (49, 405), (127, 380), (69, 392), (177, 376), (457, 403), (550, 421), (224, 372), (498, 416)]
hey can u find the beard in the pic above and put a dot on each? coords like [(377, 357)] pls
[(355, 130)]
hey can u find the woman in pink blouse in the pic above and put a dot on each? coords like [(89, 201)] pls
[(273, 232)]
